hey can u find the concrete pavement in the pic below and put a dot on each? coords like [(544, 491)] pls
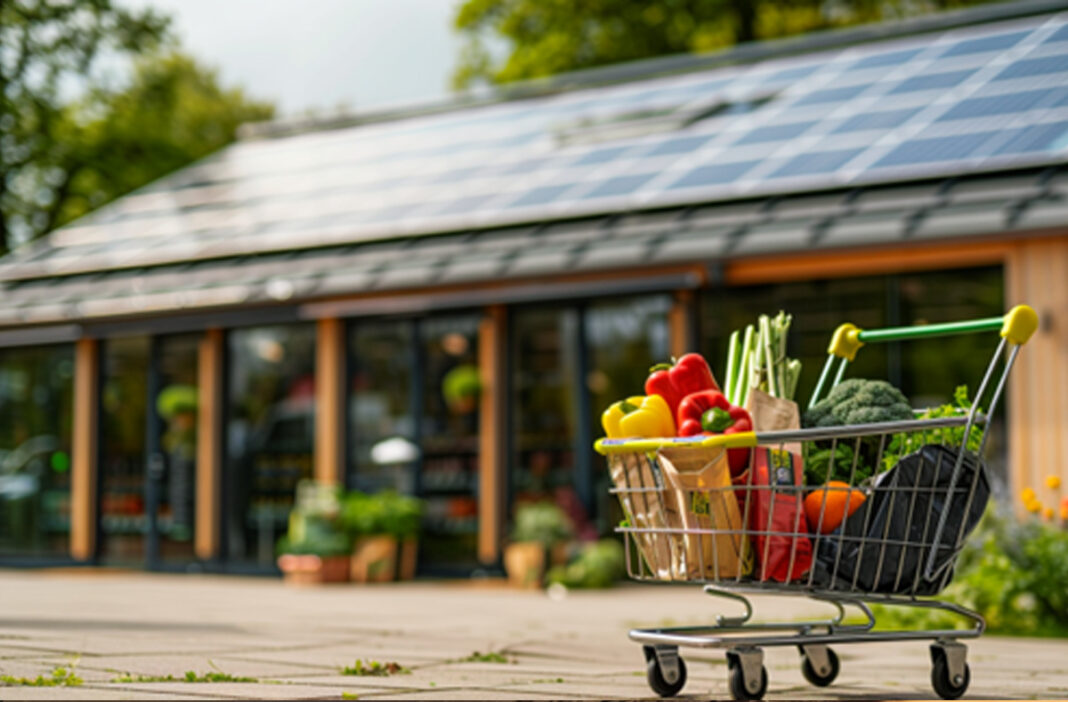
[(124, 633)]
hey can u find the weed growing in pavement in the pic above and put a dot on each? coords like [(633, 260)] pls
[(60, 677), (491, 657), (375, 668), (349, 696), (190, 676)]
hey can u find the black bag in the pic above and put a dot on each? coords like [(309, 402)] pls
[(884, 545)]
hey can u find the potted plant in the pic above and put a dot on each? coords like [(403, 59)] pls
[(461, 387), (374, 550), (540, 528), (315, 548)]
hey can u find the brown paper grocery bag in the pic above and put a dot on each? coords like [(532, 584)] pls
[(645, 508), (774, 414), (705, 500)]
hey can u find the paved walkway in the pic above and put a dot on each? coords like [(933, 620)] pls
[(294, 642)]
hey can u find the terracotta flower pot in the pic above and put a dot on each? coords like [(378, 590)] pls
[(313, 570), (374, 559), (525, 563)]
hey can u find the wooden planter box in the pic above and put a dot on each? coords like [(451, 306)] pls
[(313, 570), (409, 559)]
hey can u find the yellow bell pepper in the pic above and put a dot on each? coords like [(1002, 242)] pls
[(640, 416)]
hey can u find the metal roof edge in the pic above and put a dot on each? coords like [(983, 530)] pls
[(750, 52)]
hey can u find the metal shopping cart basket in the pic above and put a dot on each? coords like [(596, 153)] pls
[(748, 533)]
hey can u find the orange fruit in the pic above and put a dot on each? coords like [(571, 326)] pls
[(836, 500)]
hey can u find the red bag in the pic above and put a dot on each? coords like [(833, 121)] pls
[(779, 510)]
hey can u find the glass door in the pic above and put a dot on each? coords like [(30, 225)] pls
[(148, 425)]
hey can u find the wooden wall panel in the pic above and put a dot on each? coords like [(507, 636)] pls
[(681, 324), (84, 449), (330, 402), (210, 379), (492, 447), (1037, 274)]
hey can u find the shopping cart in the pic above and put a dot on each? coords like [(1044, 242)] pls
[(898, 548)]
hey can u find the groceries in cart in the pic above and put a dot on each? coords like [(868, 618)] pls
[(709, 494), (859, 499)]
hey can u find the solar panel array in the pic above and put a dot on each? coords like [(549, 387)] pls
[(981, 98)]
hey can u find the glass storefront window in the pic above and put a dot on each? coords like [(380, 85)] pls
[(36, 394), (122, 450), (381, 424), (544, 420), (177, 406), (413, 418), (448, 481), (624, 338), (270, 433)]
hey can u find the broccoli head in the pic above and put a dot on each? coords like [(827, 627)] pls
[(859, 401)]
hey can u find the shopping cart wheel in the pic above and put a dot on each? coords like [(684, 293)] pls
[(819, 665), (739, 662), (667, 678), (950, 674)]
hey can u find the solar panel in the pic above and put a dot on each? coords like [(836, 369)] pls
[(777, 132), (947, 148), (808, 164), (1043, 65), (714, 175), (998, 42), (876, 120), (826, 119), (935, 81), (995, 105), (620, 185)]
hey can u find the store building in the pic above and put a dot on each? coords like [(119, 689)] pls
[(315, 300)]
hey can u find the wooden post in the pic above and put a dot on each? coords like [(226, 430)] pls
[(493, 444), (209, 444), (681, 324), (84, 449), (330, 402), (1036, 273)]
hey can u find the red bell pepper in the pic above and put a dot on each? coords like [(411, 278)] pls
[(674, 381), (709, 412)]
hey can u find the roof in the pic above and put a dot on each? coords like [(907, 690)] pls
[(695, 165), (936, 210)]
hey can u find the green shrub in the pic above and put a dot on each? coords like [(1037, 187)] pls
[(599, 564), (1012, 574), (386, 512), (543, 522)]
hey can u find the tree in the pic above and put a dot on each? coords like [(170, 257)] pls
[(545, 37), (172, 113), (69, 142)]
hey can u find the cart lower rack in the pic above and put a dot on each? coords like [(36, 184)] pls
[(889, 534)]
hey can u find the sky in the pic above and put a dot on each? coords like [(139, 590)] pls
[(321, 54)]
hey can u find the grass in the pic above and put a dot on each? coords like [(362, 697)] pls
[(349, 696), (375, 668), (60, 677), (191, 676)]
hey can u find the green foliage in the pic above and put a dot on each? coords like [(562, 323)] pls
[(904, 444), (190, 676), (59, 677), (818, 458), (543, 522), (313, 534), (64, 156), (460, 384), (545, 37), (374, 668), (600, 564), (1012, 574), (386, 512)]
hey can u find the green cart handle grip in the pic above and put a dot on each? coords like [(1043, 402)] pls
[(1016, 326)]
